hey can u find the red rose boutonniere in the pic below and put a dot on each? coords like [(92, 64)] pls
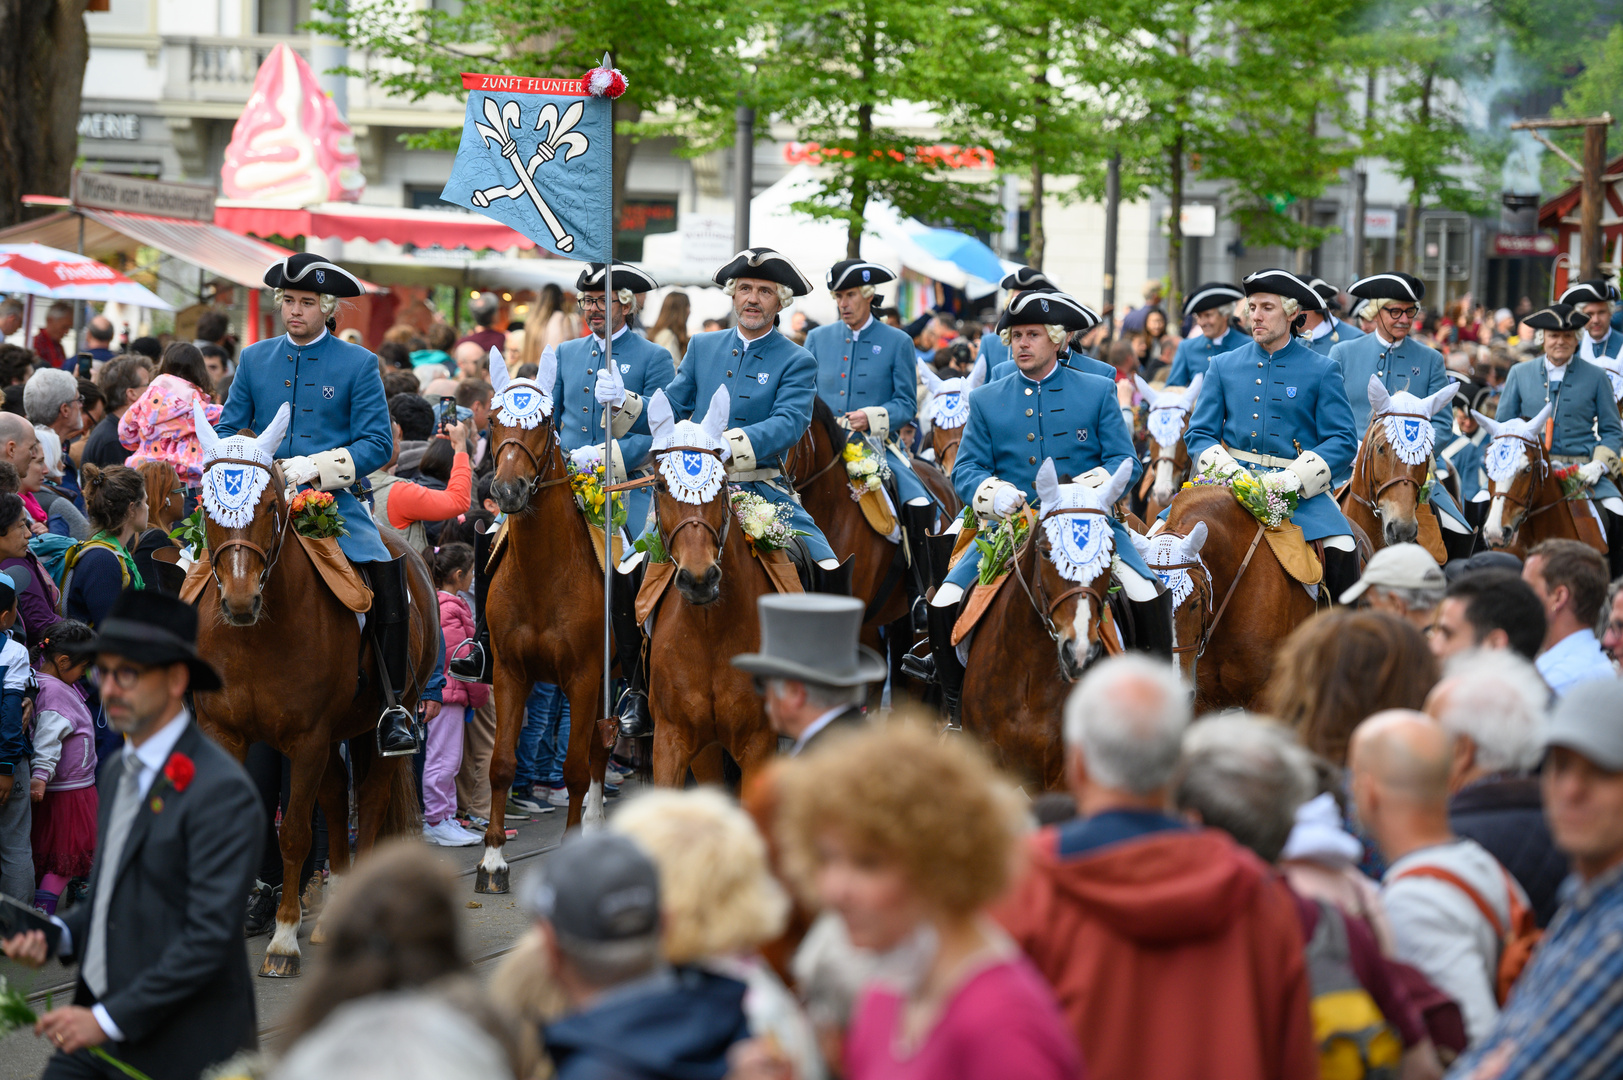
[(179, 770)]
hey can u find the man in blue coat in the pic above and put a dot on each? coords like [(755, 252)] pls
[(867, 374), (1583, 428), (1392, 302), (771, 383), (339, 432), (1594, 300), (1324, 331), (1044, 411), (1212, 306), (583, 384), (993, 349), (1276, 405)]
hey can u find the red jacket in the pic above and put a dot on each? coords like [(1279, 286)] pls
[(456, 623), (1176, 954)]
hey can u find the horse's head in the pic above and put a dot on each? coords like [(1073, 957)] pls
[(522, 429), (166, 495), (243, 512), (1176, 561), (694, 514), (1072, 578), (1170, 410), (1396, 456), (1517, 467), (947, 410)]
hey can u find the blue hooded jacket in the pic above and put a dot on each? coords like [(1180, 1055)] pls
[(676, 1025)]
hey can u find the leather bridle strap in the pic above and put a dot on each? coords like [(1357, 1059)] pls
[(536, 483), (720, 535), (1044, 608), (1224, 606)]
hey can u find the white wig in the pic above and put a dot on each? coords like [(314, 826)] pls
[(1056, 334), (329, 302), (786, 295)]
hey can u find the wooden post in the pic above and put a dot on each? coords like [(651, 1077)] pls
[(1592, 248)]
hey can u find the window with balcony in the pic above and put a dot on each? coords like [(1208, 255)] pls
[(282, 16)]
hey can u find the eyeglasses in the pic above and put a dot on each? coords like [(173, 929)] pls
[(125, 676), (591, 303), (1402, 312)]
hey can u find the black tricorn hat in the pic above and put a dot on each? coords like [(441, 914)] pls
[(1043, 307), (853, 273), (626, 276), (765, 264), (314, 274), (1557, 317), (150, 628), (1392, 285), (1213, 294), (1598, 291), (1284, 283), (1027, 277)]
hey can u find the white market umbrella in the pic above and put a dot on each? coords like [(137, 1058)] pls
[(37, 270)]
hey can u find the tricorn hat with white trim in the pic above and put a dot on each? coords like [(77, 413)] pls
[(1598, 291), (1027, 277), (1213, 294), (1392, 285), (1284, 283), (764, 264), (626, 276), (1048, 307), (1557, 317), (855, 273), (312, 273)]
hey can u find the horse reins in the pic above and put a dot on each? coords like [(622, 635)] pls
[(1206, 635), (949, 445), (1045, 608), (279, 529)]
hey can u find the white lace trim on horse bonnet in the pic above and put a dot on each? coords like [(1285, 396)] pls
[(231, 491), (1166, 422), (949, 408), (1412, 437), (1166, 549), (692, 478), (523, 404), (1081, 545), (1507, 453)]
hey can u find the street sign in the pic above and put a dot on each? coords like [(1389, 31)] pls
[(707, 241), (1380, 224), (1536, 246), (107, 191)]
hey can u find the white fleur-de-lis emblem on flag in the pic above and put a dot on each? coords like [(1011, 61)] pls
[(503, 120)]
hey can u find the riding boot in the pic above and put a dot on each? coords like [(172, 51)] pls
[(390, 623), (916, 523), (1152, 625), (478, 664), (636, 720), (1341, 572), (943, 666), (836, 581)]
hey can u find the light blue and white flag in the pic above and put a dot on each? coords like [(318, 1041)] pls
[(536, 155)]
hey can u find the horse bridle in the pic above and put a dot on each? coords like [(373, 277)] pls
[(952, 445), (1537, 454), (1372, 502), (1040, 603), (538, 471), (280, 526), (720, 536)]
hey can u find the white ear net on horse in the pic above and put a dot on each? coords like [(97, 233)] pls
[(691, 476), (236, 470)]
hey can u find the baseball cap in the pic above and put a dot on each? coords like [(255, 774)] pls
[(1401, 566), (1483, 560), (1589, 719), (597, 887)]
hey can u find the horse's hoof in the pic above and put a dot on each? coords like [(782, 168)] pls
[(279, 966), (490, 881)]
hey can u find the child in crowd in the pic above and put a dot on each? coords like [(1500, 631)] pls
[(453, 573), (63, 788)]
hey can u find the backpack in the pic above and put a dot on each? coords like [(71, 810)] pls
[(1516, 943), (51, 550), (1355, 1040), (70, 559)]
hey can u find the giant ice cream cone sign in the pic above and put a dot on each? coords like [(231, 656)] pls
[(290, 145)]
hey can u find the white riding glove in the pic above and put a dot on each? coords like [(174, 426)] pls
[(1007, 500), (298, 471), (1591, 472), (587, 458), (610, 388)]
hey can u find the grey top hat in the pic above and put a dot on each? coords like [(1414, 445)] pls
[(812, 637)]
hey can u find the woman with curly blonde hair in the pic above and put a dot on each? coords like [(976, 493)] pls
[(908, 838), (721, 904)]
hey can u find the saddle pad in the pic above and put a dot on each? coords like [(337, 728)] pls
[(1431, 534), (197, 576), (1294, 555), (655, 578), (966, 540), (338, 572), (597, 545), (496, 544), (980, 598), (877, 511), (780, 569), (1583, 519)]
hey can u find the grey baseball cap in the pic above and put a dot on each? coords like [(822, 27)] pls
[(597, 887), (1589, 720), (1401, 566)]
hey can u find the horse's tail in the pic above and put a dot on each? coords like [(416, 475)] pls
[(403, 816)]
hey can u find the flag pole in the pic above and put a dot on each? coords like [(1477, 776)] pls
[(608, 441)]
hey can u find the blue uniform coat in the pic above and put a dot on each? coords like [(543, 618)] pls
[(771, 383), (1284, 405), (337, 401), (1196, 351), (871, 368), (1015, 424), (1612, 346), (992, 350), (1585, 412), (1339, 332), (645, 367)]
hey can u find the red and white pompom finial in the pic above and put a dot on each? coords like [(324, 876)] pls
[(605, 81)]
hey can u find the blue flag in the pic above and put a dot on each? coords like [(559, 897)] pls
[(536, 156)]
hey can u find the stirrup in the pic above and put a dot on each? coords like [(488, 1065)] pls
[(396, 721), (635, 723), (471, 667), (919, 667)]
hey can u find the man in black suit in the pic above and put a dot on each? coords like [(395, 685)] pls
[(811, 669), (163, 971)]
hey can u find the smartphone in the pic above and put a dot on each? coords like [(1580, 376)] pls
[(447, 412), (83, 363)]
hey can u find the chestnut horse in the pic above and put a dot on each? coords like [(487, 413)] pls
[(1383, 497), (947, 410), (1176, 561), (1526, 501), (544, 606), (299, 673), (1258, 604), (1169, 412), (1012, 697), (708, 614)]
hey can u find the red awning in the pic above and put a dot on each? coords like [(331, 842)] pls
[(448, 229)]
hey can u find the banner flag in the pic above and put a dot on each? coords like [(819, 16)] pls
[(536, 156)]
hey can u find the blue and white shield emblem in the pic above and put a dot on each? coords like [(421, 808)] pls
[(693, 465), (1411, 430), (762, 377), (522, 400), (232, 481), (321, 277), (1081, 434), (876, 350), (625, 369), (329, 392), (1290, 391), (1044, 304), (866, 274)]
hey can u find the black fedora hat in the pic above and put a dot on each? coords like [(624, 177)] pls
[(150, 628)]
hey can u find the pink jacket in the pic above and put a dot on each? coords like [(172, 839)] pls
[(456, 623), (159, 427)]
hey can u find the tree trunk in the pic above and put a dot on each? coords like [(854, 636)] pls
[(43, 49), (1411, 225), (859, 183), (1034, 243), (1174, 300), (1304, 214)]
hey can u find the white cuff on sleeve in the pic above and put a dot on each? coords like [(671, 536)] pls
[(337, 468), (626, 415), (99, 1011), (878, 421), (1314, 473), (743, 459), (986, 497), (1217, 457)]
